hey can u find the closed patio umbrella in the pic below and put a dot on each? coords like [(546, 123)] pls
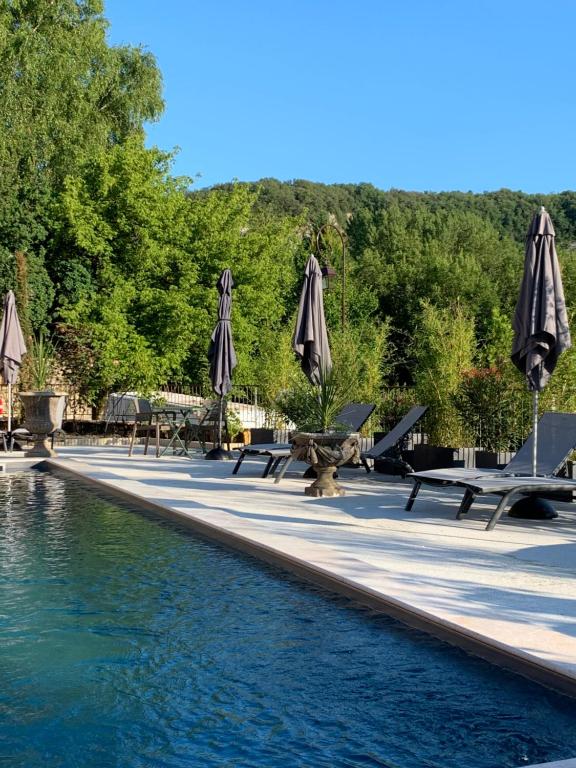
[(222, 355), (310, 340), (540, 323), (12, 349)]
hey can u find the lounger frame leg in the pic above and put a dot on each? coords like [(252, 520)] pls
[(269, 465), (157, 437), (500, 509), (365, 464), (237, 465), (465, 504), (282, 472), (412, 497), (276, 464)]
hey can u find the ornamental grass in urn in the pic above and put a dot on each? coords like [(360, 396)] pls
[(43, 408)]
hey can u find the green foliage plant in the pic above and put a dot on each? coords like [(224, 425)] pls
[(560, 392), (314, 408), (329, 398), (444, 351), (396, 402), (361, 361), (362, 355), (493, 404), (66, 96), (235, 425), (40, 362), (123, 222), (226, 229)]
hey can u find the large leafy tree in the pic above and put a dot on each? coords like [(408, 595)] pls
[(412, 254), (139, 261), (65, 95), (124, 274), (265, 253)]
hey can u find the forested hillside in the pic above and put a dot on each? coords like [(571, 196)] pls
[(507, 211)]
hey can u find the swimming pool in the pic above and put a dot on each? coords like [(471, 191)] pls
[(126, 641)]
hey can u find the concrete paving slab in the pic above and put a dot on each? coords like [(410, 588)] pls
[(557, 764), (508, 594)]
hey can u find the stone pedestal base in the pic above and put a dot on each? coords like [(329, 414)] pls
[(324, 485), (42, 448)]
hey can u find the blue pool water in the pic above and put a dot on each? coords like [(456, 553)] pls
[(128, 642)]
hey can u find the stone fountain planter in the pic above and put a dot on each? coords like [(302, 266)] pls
[(325, 451), (43, 413)]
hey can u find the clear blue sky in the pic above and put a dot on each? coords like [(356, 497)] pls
[(413, 94)]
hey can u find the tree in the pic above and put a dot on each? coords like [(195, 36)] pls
[(139, 263), (124, 275), (65, 95), (265, 254), (444, 352)]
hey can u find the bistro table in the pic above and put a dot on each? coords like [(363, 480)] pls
[(178, 417)]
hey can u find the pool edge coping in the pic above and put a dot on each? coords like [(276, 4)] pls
[(539, 671)]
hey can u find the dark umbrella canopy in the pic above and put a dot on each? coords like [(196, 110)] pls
[(12, 346), (540, 323), (310, 340), (221, 352)]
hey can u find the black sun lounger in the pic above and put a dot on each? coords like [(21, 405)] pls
[(387, 444), (353, 416), (556, 440), (391, 440), (506, 487)]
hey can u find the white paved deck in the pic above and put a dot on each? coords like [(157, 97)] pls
[(512, 589)]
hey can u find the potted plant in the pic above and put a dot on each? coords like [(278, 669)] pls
[(235, 429), (43, 408)]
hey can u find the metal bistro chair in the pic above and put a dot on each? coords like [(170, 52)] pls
[(146, 422), (204, 428), (119, 411)]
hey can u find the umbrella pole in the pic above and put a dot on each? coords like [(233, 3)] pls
[(220, 424), (532, 507), (217, 452), (9, 410), (535, 431)]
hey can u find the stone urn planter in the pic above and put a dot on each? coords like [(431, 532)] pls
[(43, 413), (325, 451)]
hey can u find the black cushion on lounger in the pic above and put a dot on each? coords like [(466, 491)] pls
[(354, 415), (396, 434)]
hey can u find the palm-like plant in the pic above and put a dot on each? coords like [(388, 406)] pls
[(323, 404), (40, 361)]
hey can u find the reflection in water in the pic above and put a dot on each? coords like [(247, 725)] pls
[(126, 642)]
